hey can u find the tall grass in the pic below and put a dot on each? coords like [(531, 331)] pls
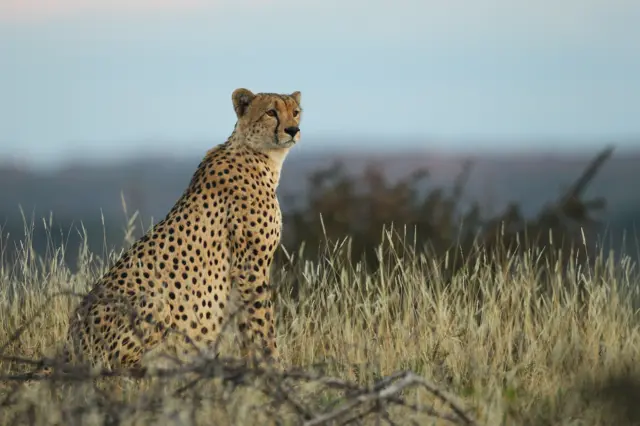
[(514, 346)]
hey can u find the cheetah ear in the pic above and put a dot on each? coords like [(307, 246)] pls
[(296, 95), (241, 99)]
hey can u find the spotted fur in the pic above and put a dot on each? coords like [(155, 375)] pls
[(173, 285)]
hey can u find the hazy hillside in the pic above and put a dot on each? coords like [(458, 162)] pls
[(84, 192)]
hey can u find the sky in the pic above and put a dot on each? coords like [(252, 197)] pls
[(108, 78)]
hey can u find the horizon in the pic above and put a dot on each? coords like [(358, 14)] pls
[(479, 151)]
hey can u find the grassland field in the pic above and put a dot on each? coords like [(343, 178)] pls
[(399, 346)]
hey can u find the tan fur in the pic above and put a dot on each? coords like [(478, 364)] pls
[(173, 285)]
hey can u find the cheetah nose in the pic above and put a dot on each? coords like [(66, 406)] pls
[(292, 131)]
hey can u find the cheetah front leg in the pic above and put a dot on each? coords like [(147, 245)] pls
[(256, 321), (251, 258)]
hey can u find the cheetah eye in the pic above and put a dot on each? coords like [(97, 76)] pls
[(296, 113), (271, 113)]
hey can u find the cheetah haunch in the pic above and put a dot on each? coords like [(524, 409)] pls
[(172, 287)]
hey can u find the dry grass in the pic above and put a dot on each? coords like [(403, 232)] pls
[(514, 347)]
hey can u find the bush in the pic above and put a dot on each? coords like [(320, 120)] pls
[(338, 206)]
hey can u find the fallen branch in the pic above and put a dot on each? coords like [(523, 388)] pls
[(387, 391)]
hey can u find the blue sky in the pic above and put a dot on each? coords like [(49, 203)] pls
[(97, 77)]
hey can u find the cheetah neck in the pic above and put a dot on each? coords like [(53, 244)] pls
[(273, 160), (273, 157), (276, 158)]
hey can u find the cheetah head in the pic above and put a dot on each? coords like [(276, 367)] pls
[(267, 121)]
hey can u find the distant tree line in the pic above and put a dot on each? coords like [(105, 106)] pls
[(437, 221)]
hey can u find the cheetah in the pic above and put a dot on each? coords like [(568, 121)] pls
[(172, 286)]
